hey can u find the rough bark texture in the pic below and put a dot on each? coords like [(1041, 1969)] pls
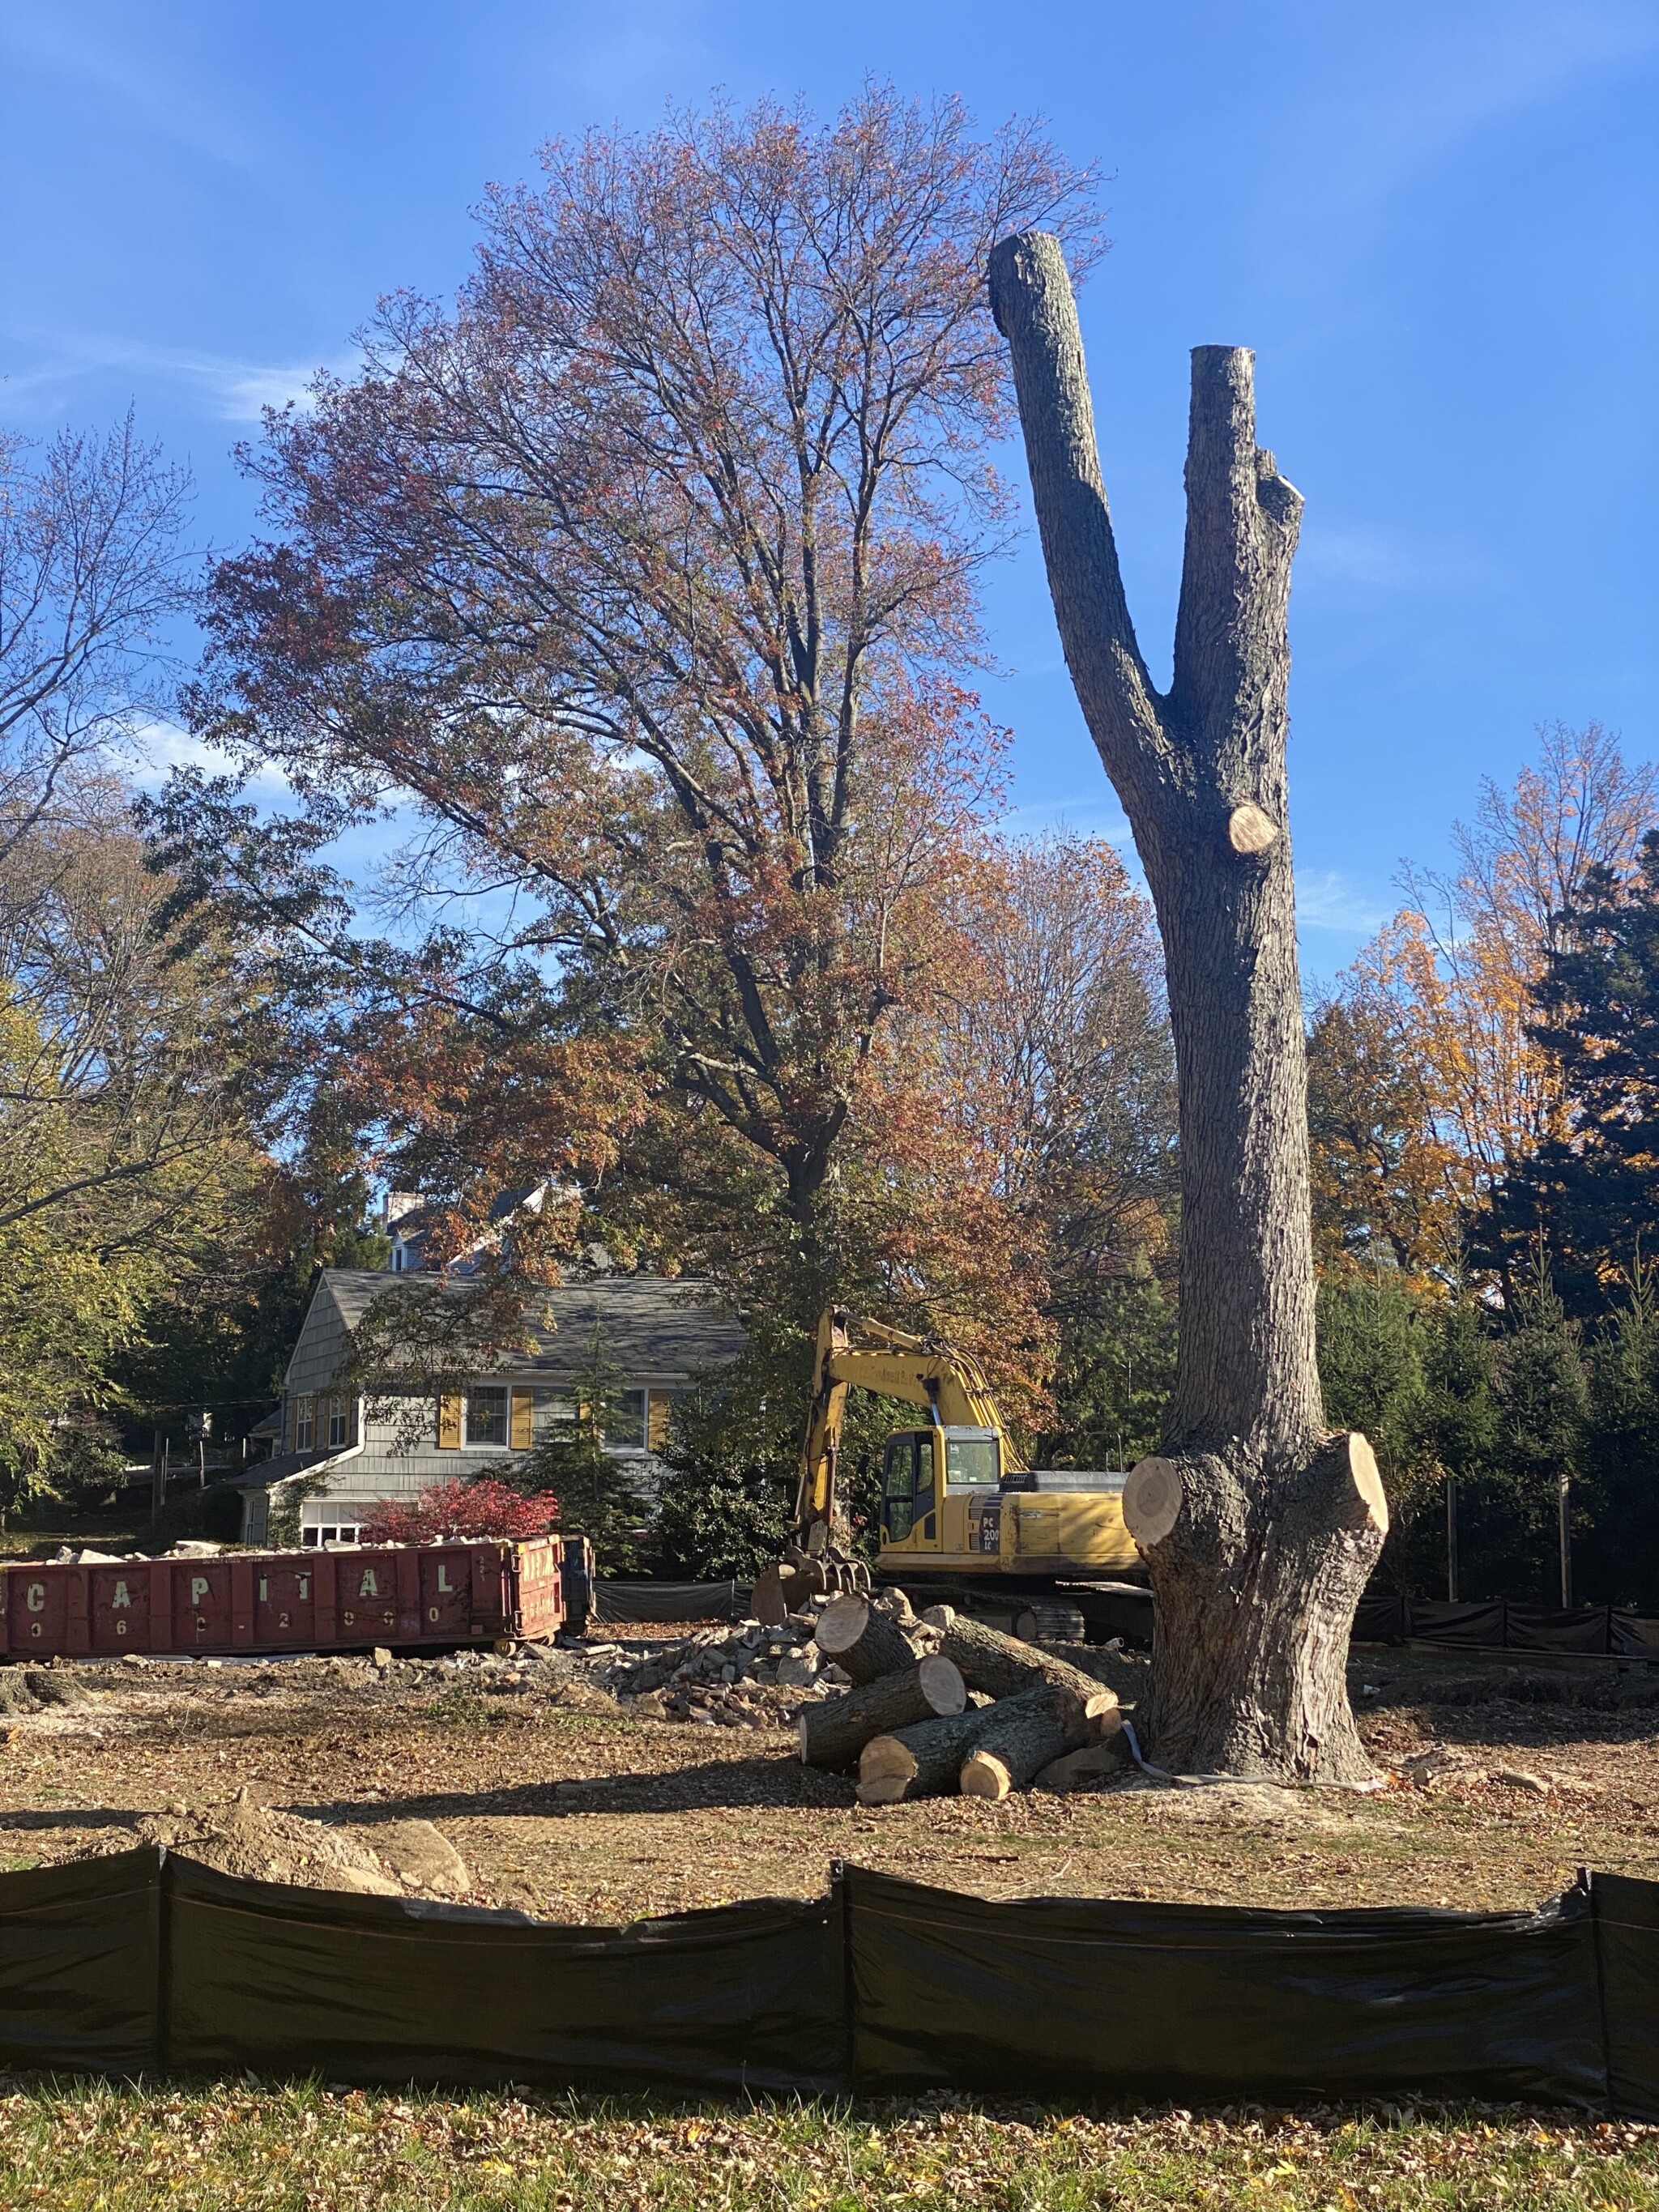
[(918, 1761), (1003, 1667), (863, 1641), (1260, 1566), (1021, 1736), (836, 1732)]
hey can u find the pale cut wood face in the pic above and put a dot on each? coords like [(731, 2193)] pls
[(1152, 1501)]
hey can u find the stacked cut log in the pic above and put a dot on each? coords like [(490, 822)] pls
[(908, 1721)]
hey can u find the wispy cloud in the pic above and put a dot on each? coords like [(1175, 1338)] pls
[(235, 391), (1377, 558), (1422, 87), (156, 748), (153, 88), (1328, 901)]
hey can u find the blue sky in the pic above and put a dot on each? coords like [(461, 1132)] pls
[(1437, 223)]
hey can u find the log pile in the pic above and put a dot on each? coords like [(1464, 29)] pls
[(943, 1703)]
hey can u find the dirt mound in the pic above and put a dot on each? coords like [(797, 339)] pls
[(260, 1843)]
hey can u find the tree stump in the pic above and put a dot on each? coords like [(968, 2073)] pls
[(867, 1643), (836, 1732), (1003, 1667), (1021, 1736)]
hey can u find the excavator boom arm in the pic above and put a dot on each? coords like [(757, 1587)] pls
[(947, 1384)]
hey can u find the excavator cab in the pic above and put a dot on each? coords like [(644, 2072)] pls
[(956, 1496), (925, 1473)]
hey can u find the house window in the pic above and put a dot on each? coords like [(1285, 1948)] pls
[(486, 1416), (626, 1430), (330, 1532), (339, 1423), (304, 1423)]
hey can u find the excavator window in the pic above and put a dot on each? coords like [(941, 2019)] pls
[(899, 1488), (971, 1462)]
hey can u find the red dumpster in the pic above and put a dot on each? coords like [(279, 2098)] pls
[(358, 1596)]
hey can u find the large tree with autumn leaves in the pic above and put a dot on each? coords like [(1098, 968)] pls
[(642, 577)]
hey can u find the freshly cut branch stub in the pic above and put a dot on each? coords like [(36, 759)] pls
[(835, 1733), (1152, 1501), (1249, 829), (863, 1641), (1367, 1482)]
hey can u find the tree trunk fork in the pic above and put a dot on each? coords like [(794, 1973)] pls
[(1259, 1527)]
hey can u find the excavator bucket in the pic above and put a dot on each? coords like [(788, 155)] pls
[(785, 1587)]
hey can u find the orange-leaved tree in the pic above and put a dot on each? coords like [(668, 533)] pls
[(1425, 1086), (645, 578)]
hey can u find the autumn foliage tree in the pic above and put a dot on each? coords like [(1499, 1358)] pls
[(645, 574), (1428, 1081)]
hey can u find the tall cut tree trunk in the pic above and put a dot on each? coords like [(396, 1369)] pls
[(1259, 1527)]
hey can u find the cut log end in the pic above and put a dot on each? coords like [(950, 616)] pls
[(885, 1759), (1152, 1501), (883, 1790), (984, 1775), (1249, 829), (864, 1641), (1367, 1482)]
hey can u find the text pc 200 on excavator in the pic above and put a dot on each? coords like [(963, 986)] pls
[(958, 1503)]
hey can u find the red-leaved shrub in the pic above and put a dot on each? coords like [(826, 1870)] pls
[(460, 1510)]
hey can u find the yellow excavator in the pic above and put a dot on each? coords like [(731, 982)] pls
[(958, 1503)]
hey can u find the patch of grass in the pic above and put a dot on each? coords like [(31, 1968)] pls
[(94, 2148), (463, 1709)]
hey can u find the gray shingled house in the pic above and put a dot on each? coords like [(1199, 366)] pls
[(338, 1455)]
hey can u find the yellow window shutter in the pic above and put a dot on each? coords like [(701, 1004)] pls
[(658, 1405), (521, 1434), (449, 1424)]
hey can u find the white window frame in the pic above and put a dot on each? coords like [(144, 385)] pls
[(641, 1448), (505, 1391)]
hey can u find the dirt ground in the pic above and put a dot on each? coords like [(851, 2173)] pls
[(561, 1802)]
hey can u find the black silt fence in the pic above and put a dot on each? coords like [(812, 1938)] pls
[(1505, 1624), (147, 1963)]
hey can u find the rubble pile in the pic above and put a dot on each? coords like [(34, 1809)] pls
[(717, 1677)]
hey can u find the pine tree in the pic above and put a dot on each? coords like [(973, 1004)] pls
[(1543, 1399), (1616, 1559), (597, 1494), (1115, 1371), (1590, 1195)]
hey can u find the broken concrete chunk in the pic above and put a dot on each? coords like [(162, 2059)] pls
[(421, 1857)]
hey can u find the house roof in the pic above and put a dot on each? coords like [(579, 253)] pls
[(654, 1327), (264, 1473)]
